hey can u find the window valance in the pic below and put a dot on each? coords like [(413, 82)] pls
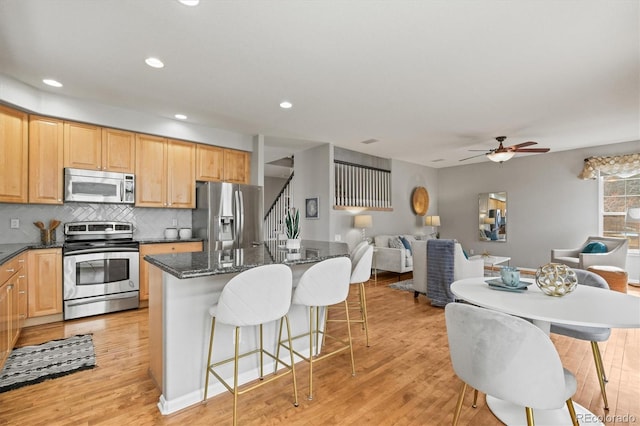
[(619, 165)]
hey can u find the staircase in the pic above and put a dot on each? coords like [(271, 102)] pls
[(274, 218)]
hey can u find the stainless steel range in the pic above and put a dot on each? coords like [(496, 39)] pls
[(100, 268)]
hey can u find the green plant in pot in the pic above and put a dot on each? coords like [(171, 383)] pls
[(292, 222)]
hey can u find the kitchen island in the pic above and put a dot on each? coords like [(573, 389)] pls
[(182, 288)]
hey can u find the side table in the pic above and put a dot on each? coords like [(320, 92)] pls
[(492, 261)]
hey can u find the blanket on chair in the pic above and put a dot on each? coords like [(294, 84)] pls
[(440, 271)]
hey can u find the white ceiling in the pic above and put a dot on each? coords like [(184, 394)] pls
[(428, 79)]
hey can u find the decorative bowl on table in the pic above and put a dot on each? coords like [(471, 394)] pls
[(556, 279)]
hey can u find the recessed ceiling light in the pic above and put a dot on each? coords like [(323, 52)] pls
[(154, 62), (180, 116), (52, 83), (189, 2), (286, 104)]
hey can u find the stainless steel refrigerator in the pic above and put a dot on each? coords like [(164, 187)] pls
[(228, 215)]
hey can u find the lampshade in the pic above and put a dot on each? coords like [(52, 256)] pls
[(363, 221), (432, 220), (500, 157)]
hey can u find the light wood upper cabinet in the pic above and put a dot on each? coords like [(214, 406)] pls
[(45, 160), (161, 248), (82, 146), (165, 172), (181, 170), (45, 282), (151, 167), (209, 163), (236, 166), (118, 151), (14, 152)]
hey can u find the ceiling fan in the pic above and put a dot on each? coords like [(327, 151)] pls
[(504, 153)]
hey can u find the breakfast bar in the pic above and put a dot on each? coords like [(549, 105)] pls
[(182, 288)]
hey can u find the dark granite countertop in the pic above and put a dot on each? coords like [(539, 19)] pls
[(8, 251), (198, 264)]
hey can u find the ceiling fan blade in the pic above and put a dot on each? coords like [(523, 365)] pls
[(479, 155), (533, 150), (522, 145)]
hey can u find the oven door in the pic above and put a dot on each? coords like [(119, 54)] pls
[(100, 274)]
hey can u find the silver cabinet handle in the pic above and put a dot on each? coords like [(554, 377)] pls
[(11, 270)]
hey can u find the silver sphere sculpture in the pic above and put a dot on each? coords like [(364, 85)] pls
[(556, 279)]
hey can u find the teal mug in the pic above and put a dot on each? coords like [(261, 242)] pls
[(510, 276)]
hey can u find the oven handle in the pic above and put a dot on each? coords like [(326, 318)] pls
[(101, 299), (102, 250)]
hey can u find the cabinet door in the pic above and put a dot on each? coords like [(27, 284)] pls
[(5, 322), (82, 146), (236, 166), (151, 171), (45, 282), (118, 151), (45, 160), (14, 155), (209, 163), (181, 171), (161, 248)]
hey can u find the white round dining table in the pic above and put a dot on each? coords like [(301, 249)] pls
[(586, 306)]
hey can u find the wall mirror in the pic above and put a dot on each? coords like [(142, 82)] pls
[(492, 213)]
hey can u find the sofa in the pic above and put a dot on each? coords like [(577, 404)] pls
[(391, 255)]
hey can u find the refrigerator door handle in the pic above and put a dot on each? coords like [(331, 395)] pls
[(241, 218)]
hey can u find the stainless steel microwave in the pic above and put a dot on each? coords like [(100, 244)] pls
[(92, 186)]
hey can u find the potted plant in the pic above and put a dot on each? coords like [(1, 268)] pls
[(292, 222)]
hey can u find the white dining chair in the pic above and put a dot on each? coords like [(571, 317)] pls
[(252, 298), (508, 358), (589, 334)]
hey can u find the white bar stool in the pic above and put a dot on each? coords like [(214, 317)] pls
[(253, 297), (323, 284)]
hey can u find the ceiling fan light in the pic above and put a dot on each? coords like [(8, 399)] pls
[(500, 157)]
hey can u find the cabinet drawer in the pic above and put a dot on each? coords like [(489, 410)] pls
[(10, 267), (163, 248)]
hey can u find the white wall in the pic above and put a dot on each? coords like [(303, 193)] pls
[(548, 205)]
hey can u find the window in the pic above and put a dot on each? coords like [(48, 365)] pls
[(620, 199)]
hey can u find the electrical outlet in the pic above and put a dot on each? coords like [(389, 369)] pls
[(174, 222), (15, 223)]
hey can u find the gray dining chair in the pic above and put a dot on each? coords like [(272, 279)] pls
[(508, 358), (589, 334)]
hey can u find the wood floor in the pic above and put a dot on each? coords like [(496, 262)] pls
[(404, 378)]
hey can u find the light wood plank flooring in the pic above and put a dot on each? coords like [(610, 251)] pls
[(404, 378)]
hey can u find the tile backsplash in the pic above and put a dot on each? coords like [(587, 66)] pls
[(148, 222)]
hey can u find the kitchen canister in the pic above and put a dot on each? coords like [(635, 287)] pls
[(171, 233), (185, 233)]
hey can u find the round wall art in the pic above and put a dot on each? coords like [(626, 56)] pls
[(420, 200)]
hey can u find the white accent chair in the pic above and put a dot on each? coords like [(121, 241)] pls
[(253, 297), (463, 267), (324, 284), (508, 358), (393, 259), (590, 334), (616, 254)]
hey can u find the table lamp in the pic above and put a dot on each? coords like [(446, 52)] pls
[(433, 221), (363, 221)]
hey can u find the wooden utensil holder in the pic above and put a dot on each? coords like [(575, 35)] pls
[(48, 236)]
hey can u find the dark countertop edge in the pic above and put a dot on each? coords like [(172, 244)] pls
[(11, 250), (195, 273), (14, 249)]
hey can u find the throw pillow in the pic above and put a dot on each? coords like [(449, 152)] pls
[(395, 242), (406, 244), (595, 247)]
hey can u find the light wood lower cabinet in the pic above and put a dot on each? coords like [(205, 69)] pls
[(160, 248), (45, 282), (12, 279)]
